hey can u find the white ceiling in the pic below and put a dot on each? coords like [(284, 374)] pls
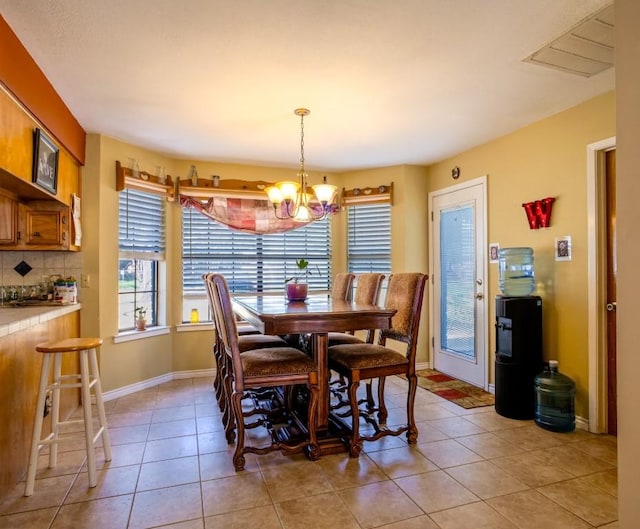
[(387, 81)]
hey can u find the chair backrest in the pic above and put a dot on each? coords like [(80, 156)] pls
[(225, 323), (341, 288), (368, 288), (210, 288), (405, 294)]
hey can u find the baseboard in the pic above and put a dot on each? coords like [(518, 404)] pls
[(582, 423), (196, 373), (149, 383)]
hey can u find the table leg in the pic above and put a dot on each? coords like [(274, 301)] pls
[(320, 355)]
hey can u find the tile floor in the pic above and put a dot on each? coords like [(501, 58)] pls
[(475, 469)]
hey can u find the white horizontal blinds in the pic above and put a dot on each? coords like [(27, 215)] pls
[(457, 282), (369, 238), (141, 225), (249, 262)]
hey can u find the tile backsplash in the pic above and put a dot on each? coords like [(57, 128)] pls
[(43, 265)]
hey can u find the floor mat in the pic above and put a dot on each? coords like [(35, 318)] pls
[(457, 391)]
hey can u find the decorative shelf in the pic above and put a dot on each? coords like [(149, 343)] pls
[(367, 195), (252, 189), (144, 182)]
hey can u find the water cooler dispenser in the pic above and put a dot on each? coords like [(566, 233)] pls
[(518, 354)]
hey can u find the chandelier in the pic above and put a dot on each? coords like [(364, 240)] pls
[(291, 200)]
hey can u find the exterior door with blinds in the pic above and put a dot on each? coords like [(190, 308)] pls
[(459, 278)]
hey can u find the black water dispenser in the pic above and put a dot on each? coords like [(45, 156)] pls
[(518, 354)]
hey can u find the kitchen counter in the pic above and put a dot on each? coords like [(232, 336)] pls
[(15, 319)]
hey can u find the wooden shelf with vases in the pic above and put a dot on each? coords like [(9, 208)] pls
[(367, 195), (230, 188), (146, 182)]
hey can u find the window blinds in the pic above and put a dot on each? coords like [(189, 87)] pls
[(141, 225), (252, 263), (369, 238)]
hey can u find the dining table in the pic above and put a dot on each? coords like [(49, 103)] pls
[(316, 316)]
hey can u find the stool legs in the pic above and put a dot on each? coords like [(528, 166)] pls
[(37, 427), (89, 377), (102, 416)]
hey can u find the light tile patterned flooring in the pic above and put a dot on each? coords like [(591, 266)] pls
[(471, 469)]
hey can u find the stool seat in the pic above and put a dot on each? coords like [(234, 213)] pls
[(69, 345), (87, 379)]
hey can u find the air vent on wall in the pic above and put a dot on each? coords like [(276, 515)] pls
[(586, 49)]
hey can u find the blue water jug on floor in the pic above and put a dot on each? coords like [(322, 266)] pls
[(554, 406)]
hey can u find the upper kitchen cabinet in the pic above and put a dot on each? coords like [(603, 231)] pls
[(17, 149), (35, 208)]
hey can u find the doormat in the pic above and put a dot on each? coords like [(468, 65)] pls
[(459, 392)]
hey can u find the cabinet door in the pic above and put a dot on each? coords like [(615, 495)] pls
[(45, 228), (8, 220)]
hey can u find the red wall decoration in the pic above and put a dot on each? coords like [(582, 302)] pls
[(539, 212)]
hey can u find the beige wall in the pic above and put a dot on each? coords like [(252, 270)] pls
[(546, 159), (628, 216)]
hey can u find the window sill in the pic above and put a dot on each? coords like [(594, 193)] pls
[(129, 336), (191, 327)]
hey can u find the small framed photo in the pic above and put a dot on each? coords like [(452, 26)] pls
[(45, 162), (494, 251), (563, 248)]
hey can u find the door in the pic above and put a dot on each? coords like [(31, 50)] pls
[(458, 307), (610, 212)]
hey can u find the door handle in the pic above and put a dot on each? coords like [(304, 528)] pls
[(611, 307)]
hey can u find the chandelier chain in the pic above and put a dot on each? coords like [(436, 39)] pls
[(302, 143)]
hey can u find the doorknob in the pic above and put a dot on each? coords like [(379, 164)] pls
[(611, 307)]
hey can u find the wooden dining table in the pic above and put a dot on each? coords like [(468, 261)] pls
[(318, 315)]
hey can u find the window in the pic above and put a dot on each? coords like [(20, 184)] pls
[(369, 238), (250, 263), (141, 245)]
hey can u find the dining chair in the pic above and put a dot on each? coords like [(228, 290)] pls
[(341, 288), (367, 292), (270, 367), (367, 361), (246, 342)]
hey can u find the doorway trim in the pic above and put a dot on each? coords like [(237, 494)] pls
[(596, 270), (484, 321)]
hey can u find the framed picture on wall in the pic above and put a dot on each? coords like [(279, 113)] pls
[(494, 249), (563, 248), (45, 162)]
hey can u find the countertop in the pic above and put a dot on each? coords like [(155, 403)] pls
[(16, 319)]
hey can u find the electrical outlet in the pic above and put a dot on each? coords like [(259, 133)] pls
[(48, 401), (84, 280)]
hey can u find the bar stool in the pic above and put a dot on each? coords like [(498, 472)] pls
[(88, 378)]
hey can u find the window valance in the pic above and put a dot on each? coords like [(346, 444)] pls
[(243, 214), (239, 204)]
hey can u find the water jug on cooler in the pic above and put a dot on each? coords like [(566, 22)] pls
[(515, 271)]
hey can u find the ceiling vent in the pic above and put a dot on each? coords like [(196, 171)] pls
[(586, 49)]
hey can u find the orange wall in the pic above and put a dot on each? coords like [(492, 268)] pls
[(33, 90)]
